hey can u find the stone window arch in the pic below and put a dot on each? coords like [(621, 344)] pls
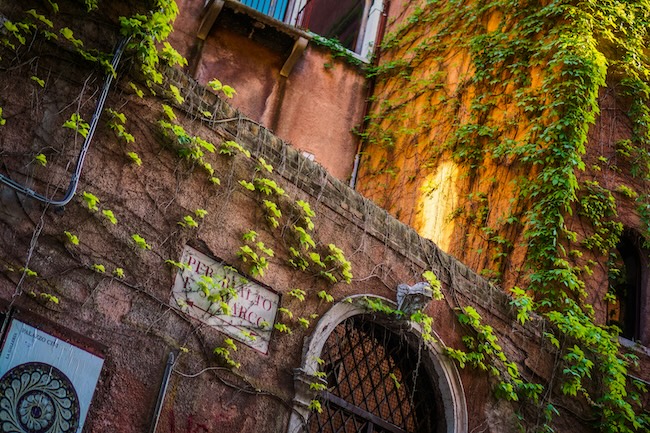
[(379, 375)]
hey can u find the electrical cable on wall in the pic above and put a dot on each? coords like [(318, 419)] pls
[(74, 180)]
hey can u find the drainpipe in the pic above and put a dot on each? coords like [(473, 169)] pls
[(162, 392), (371, 88)]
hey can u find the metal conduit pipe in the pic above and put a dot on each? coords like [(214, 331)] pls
[(171, 359), (371, 87), (74, 180)]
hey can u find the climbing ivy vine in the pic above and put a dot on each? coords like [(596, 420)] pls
[(291, 222), (535, 73), (507, 91)]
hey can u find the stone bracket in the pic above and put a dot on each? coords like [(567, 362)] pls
[(298, 48), (212, 11)]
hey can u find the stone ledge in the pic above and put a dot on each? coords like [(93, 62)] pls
[(328, 191)]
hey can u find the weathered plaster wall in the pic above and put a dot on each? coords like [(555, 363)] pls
[(132, 319), (467, 197), (315, 108)]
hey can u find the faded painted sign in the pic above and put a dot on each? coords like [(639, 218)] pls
[(46, 384), (219, 296)]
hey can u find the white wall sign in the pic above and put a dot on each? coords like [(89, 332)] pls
[(46, 384), (200, 289)]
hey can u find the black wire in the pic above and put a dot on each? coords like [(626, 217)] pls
[(74, 180)]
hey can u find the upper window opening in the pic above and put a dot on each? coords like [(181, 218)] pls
[(375, 382), (628, 287), (336, 19), (354, 23)]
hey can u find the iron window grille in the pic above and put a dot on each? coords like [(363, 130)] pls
[(376, 383)]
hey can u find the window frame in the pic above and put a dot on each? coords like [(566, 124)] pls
[(641, 334), (368, 29), (450, 386)]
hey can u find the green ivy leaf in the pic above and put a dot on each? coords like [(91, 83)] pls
[(176, 94), (91, 201), (38, 81), (228, 91), (41, 159), (109, 216), (248, 185), (135, 158), (73, 239), (140, 242)]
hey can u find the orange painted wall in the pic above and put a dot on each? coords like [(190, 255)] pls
[(413, 164)]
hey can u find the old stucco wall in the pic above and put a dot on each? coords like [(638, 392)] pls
[(137, 326), (131, 320), (315, 108), (470, 196)]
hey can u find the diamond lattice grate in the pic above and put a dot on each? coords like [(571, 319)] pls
[(371, 377)]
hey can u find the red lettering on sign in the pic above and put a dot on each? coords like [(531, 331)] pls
[(204, 269), (199, 267), (246, 314), (242, 311)]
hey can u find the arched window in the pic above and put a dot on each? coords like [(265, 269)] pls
[(375, 383), (376, 374), (630, 287)]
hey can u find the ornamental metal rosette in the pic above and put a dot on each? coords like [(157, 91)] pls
[(38, 398)]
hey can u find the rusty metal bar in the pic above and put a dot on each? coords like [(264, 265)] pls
[(374, 419)]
